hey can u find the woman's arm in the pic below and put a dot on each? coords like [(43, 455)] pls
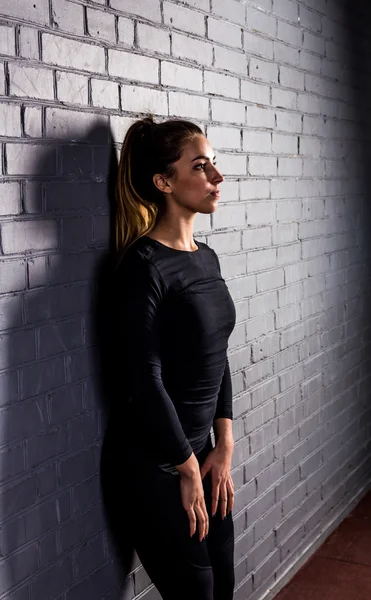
[(142, 291)]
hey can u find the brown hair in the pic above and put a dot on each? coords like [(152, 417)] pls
[(148, 148)]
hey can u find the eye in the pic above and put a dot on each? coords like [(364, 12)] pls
[(200, 166)]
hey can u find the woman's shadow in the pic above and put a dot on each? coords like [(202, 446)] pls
[(57, 375)]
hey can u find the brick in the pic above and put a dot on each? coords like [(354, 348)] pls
[(96, 584), (287, 315), (10, 199), (314, 43), (195, 50), (154, 39), (230, 60), (229, 216), (284, 53), (232, 164), (132, 66), (261, 213), (178, 76), (255, 92), (283, 234), (37, 271), (33, 122), (184, 18), (7, 41), (29, 43), (185, 105), (290, 294), (289, 33), (53, 580), (286, 9), (254, 44), (30, 82), (221, 85), (284, 98), (13, 276), (71, 53), (261, 259), (288, 253), (290, 167), (310, 147), (149, 9), (68, 16), (264, 71), (230, 10), (284, 144), (137, 99), (224, 32), (289, 121), (126, 32), (291, 78), (72, 88), (254, 189), (228, 112), (2, 79), (101, 25), (10, 120), (24, 159), (71, 124), (105, 94), (260, 117), (257, 141), (23, 236), (224, 137), (310, 62), (270, 281), (263, 303), (36, 12), (260, 21), (259, 165), (310, 19), (256, 238)]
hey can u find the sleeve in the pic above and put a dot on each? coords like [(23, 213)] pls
[(225, 396), (143, 293)]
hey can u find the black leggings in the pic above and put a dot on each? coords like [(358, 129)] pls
[(181, 567)]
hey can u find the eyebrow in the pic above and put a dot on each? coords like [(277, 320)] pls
[(202, 156)]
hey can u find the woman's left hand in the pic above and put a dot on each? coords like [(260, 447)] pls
[(218, 463)]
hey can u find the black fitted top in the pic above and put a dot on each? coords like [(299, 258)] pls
[(176, 315)]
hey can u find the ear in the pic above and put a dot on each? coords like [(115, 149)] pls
[(162, 183)]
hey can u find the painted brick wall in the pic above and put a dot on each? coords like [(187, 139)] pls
[(271, 82)]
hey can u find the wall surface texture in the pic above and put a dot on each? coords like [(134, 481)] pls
[(272, 83)]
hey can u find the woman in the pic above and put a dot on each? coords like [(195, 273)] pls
[(175, 318)]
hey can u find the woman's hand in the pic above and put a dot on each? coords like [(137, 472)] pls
[(192, 493), (218, 463)]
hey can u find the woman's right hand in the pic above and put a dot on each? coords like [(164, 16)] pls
[(192, 493)]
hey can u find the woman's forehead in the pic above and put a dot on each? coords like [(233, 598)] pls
[(196, 146)]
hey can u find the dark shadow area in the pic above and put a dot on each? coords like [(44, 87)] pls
[(56, 365), (358, 15)]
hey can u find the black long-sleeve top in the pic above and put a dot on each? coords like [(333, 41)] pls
[(176, 315)]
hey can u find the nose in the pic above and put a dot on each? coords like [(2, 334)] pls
[(217, 177)]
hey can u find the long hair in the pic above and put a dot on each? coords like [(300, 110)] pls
[(148, 148)]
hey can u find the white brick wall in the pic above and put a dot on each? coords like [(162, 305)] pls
[(270, 81)]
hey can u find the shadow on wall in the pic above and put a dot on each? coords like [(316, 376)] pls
[(359, 44), (52, 531)]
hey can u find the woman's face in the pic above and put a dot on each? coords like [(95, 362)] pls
[(195, 184)]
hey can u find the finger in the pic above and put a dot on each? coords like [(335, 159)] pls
[(215, 493), (192, 521), (207, 523), (223, 500), (230, 491), (201, 521)]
